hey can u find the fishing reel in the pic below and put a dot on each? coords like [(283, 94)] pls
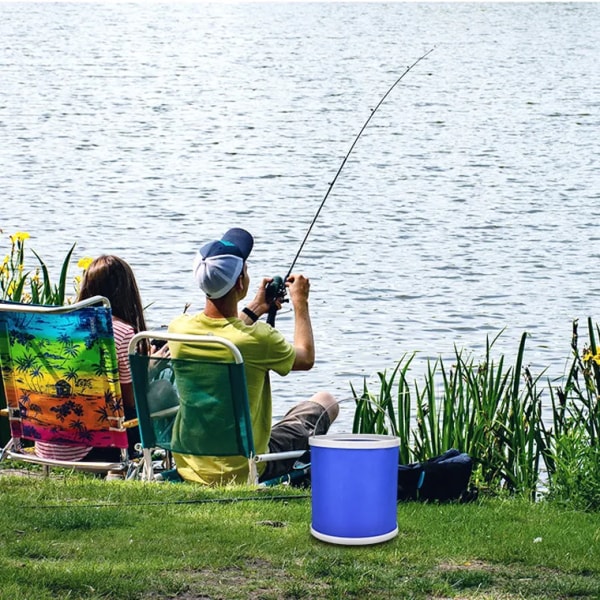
[(276, 290)]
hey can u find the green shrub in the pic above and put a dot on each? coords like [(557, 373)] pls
[(576, 478)]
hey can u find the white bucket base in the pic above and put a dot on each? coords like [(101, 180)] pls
[(350, 541)]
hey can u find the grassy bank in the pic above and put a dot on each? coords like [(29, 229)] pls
[(77, 537)]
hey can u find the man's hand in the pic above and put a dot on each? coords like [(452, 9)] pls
[(298, 288), (260, 305)]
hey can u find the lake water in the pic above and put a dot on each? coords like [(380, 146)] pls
[(467, 207)]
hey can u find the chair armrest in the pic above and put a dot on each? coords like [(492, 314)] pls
[(278, 455), (166, 412)]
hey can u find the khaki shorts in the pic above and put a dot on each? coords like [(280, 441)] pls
[(292, 432)]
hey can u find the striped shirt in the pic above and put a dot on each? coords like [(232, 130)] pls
[(123, 333)]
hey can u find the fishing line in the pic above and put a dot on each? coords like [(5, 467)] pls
[(276, 289), (373, 111), (172, 502)]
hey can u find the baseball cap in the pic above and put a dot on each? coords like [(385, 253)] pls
[(218, 264)]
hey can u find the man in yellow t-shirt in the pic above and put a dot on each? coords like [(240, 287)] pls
[(221, 273)]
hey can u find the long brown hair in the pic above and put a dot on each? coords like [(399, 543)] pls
[(111, 277)]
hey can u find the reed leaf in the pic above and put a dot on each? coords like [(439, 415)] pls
[(60, 298), (54, 295), (17, 292), (47, 285), (404, 410)]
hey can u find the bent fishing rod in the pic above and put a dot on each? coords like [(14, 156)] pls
[(276, 290)]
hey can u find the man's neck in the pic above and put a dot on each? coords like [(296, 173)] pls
[(223, 308)]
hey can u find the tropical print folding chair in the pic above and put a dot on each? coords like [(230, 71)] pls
[(194, 406), (60, 381)]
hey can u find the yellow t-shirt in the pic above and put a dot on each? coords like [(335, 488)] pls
[(264, 349)]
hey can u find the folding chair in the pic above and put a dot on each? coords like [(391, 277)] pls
[(195, 406), (60, 382)]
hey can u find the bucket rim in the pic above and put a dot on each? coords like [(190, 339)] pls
[(357, 441)]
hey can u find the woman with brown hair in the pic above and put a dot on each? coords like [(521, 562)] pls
[(111, 277)]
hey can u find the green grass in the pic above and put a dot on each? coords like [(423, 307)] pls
[(77, 537)]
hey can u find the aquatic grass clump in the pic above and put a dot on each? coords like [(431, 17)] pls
[(19, 284), (489, 410), (493, 412)]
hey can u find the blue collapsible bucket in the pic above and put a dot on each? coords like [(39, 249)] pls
[(354, 480)]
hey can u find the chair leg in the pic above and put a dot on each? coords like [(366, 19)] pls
[(252, 472), (148, 473), (4, 452)]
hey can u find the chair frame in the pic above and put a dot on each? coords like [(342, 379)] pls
[(13, 450), (253, 459)]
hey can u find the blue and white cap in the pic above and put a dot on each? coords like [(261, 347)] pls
[(218, 264)]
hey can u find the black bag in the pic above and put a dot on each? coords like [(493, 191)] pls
[(445, 477)]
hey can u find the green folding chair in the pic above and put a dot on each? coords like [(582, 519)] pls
[(195, 406), (60, 382)]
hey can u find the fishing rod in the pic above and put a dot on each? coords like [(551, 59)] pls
[(276, 290)]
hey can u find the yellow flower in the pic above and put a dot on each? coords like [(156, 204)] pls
[(588, 356), (20, 236), (84, 263)]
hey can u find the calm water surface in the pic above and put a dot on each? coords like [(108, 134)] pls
[(468, 206)]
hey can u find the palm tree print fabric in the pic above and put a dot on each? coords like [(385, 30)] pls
[(60, 377)]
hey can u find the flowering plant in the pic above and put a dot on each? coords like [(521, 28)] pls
[(34, 286)]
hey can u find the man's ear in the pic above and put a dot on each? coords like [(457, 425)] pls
[(239, 282)]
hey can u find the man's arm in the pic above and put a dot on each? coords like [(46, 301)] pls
[(304, 343)]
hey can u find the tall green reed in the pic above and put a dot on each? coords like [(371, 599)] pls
[(478, 407)]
